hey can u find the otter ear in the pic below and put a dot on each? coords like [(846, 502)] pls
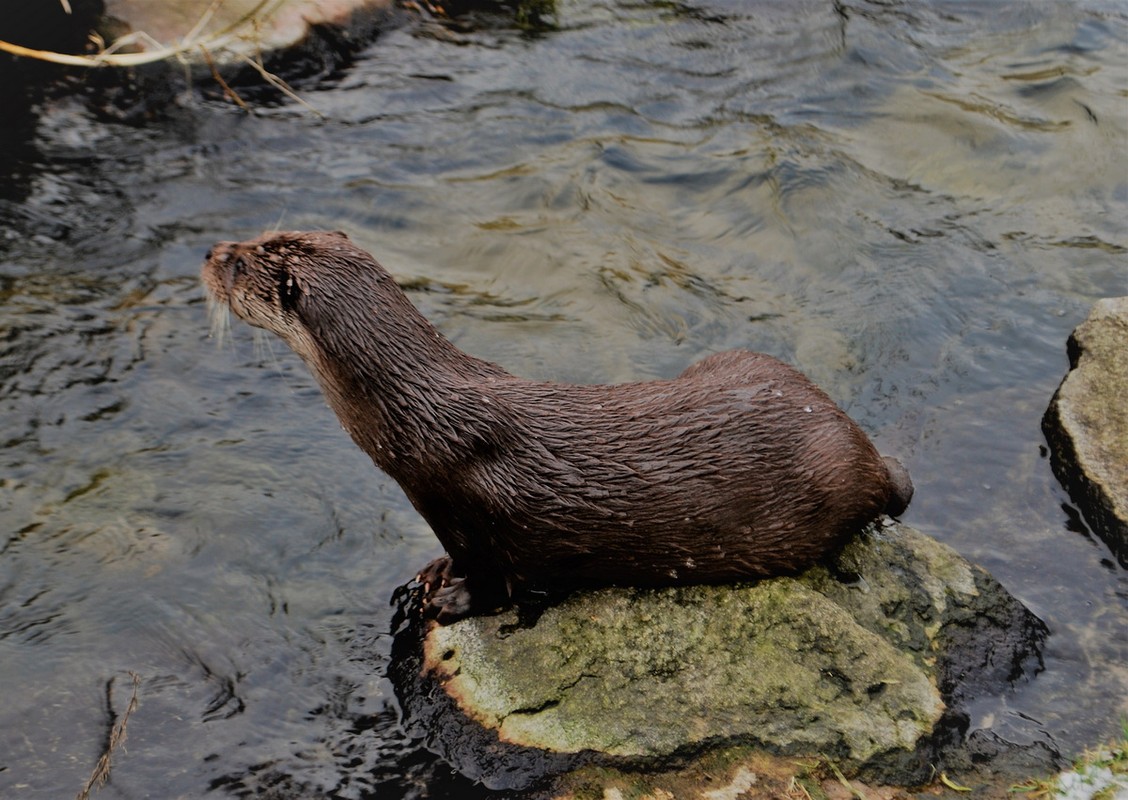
[(342, 234)]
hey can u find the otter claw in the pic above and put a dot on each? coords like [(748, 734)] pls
[(438, 573), (445, 595), (450, 603)]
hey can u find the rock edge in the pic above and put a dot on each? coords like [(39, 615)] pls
[(1086, 424)]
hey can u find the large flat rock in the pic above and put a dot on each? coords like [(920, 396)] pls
[(636, 673), (1086, 424), (867, 660)]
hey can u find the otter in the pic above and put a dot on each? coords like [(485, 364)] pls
[(738, 468)]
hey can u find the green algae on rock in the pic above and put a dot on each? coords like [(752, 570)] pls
[(1086, 423), (755, 662), (864, 661), (950, 616)]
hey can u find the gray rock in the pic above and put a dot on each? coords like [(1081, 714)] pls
[(1086, 424), (867, 661), (236, 29)]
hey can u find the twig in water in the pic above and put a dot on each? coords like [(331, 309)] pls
[(116, 738), (228, 92)]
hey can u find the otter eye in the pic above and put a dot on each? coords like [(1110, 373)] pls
[(288, 291)]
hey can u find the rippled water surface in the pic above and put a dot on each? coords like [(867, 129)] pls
[(914, 202)]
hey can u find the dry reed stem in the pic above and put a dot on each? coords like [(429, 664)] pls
[(108, 56), (193, 40), (228, 92)]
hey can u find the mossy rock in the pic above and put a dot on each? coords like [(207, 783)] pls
[(865, 661)]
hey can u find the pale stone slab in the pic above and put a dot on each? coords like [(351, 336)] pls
[(236, 28)]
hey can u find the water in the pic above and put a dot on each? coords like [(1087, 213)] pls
[(913, 202)]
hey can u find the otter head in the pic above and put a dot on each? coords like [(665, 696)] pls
[(266, 280), (328, 299)]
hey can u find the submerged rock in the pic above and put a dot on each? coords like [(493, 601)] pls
[(1086, 424), (866, 661)]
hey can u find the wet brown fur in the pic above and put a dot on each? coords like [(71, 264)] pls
[(739, 467)]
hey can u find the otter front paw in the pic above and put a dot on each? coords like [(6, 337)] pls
[(447, 595), (449, 603), (436, 575)]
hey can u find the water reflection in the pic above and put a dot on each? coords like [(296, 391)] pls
[(913, 202)]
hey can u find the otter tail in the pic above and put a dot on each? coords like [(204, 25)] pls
[(901, 484)]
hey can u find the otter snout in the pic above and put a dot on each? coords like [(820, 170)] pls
[(215, 273)]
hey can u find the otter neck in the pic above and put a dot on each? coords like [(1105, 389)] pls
[(405, 394)]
